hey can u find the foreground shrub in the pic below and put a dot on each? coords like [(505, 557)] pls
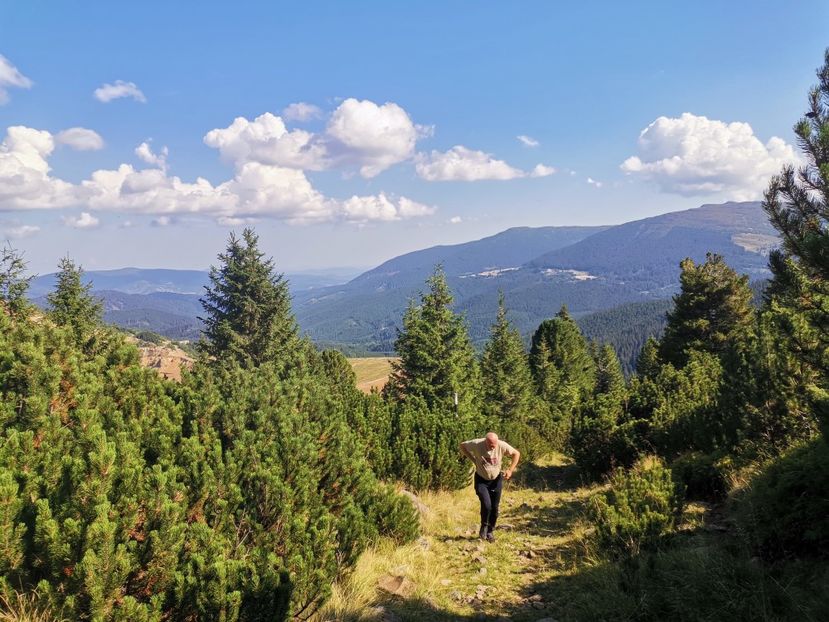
[(642, 505), (703, 476), (785, 509)]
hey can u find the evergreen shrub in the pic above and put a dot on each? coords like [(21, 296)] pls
[(642, 506), (704, 476)]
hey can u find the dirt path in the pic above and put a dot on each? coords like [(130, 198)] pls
[(451, 575)]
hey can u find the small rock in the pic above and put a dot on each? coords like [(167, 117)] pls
[(423, 543), (479, 558), (468, 547), (422, 508), (535, 598), (482, 570), (396, 585), (445, 582), (538, 605), (456, 595)]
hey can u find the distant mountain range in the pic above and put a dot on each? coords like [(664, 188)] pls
[(623, 274)]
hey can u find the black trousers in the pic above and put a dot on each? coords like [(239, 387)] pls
[(489, 494)]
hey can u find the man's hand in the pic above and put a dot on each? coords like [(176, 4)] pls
[(508, 474)]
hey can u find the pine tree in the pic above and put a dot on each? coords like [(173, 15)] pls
[(797, 202), (71, 303), (13, 283), (647, 365), (247, 305), (712, 313), (437, 361)]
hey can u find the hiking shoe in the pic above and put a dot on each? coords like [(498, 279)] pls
[(490, 537), (482, 534)]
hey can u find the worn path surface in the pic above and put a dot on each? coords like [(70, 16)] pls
[(451, 575)]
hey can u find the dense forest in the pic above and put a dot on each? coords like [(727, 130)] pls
[(244, 491)]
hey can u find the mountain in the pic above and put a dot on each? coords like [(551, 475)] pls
[(153, 280), (616, 281), (607, 267)]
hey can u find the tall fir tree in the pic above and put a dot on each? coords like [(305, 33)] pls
[(247, 306), (505, 372), (71, 304), (14, 283), (712, 313), (437, 361), (561, 363)]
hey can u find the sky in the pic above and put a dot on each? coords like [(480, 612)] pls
[(347, 133)]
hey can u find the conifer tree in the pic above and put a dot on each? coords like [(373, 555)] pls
[(647, 365), (13, 282), (712, 313), (247, 305), (437, 361), (505, 372), (71, 303), (560, 359), (797, 202)]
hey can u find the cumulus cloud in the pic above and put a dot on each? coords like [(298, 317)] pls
[(693, 155), (80, 139), (84, 221), (107, 92), (300, 111), (455, 220), (10, 77), (256, 189), (463, 164), (593, 182), (17, 232), (541, 170), (146, 154), (528, 141)]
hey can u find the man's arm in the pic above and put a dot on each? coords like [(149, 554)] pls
[(464, 451), (516, 456)]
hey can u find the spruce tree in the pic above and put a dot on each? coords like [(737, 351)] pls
[(505, 372), (13, 282), (71, 303), (560, 359), (712, 313), (247, 306), (437, 361)]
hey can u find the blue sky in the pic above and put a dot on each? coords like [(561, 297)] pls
[(408, 132)]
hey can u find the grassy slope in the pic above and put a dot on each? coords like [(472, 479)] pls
[(372, 371), (540, 513), (704, 576)]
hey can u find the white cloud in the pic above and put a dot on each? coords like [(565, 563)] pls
[(256, 190), (10, 77), (80, 139), (463, 164), (373, 137), (161, 221), (528, 141), (300, 111), (593, 182), (266, 140), (146, 154), (455, 220), (693, 155), (542, 170), (17, 232), (107, 92), (84, 221)]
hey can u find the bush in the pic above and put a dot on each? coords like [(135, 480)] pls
[(785, 509), (600, 445), (702, 475), (642, 505)]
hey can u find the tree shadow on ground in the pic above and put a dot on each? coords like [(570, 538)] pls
[(556, 477)]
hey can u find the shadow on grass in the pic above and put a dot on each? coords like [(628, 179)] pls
[(556, 477)]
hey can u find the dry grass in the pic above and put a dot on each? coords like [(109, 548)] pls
[(541, 515), (24, 607), (372, 372)]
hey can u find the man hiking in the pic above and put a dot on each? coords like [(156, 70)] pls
[(486, 453)]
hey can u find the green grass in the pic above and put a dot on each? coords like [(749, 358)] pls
[(372, 372)]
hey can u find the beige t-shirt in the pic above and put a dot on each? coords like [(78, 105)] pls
[(488, 462)]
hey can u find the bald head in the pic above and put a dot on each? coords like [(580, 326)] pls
[(491, 440)]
